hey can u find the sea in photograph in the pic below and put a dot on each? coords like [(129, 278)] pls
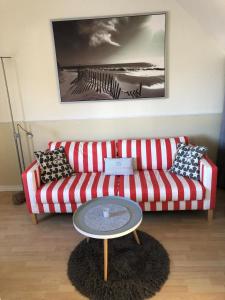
[(111, 82)]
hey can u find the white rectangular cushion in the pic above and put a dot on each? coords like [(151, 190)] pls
[(119, 166)]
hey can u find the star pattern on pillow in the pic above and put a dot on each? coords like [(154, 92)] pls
[(187, 159), (54, 164)]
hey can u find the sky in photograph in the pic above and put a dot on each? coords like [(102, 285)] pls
[(110, 40)]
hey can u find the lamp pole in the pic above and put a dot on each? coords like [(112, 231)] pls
[(10, 110), (19, 197)]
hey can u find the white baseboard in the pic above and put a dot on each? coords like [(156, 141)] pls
[(11, 188)]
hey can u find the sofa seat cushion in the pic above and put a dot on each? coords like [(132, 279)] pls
[(160, 185), (78, 188)]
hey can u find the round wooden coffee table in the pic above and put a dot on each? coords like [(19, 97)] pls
[(108, 218)]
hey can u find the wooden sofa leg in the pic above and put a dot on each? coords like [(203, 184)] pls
[(210, 215), (34, 219)]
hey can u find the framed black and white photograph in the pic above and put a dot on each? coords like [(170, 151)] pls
[(111, 58)]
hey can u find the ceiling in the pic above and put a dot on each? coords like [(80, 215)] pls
[(211, 16)]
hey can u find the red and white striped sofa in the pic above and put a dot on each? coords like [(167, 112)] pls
[(152, 185)]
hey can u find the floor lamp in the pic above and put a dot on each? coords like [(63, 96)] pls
[(19, 197)]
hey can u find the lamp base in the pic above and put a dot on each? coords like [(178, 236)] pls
[(18, 198)]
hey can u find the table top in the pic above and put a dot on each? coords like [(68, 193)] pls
[(124, 217)]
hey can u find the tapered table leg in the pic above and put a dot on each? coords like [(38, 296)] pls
[(136, 237), (105, 260)]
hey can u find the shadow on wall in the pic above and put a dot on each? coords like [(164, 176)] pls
[(203, 140)]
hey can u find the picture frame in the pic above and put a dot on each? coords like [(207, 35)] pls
[(111, 58)]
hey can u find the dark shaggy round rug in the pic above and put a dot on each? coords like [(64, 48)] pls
[(135, 272)]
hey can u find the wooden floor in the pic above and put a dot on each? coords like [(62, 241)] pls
[(33, 258)]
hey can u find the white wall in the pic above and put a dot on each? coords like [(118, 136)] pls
[(211, 16), (195, 64), (195, 80)]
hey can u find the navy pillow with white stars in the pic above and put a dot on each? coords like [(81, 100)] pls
[(187, 159)]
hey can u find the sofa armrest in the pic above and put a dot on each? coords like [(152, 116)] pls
[(31, 182), (208, 177)]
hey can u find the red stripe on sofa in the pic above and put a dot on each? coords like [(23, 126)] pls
[(169, 153), (60, 193), (200, 205), (121, 186), (153, 206), (144, 186), (55, 196), (192, 186), (105, 188), (138, 155), (50, 145), (132, 187), (113, 149), (165, 206), (73, 207), (58, 144), (158, 154), (177, 140), (67, 149), (148, 154), (94, 188), (38, 182), (167, 185), (119, 147), (173, 185), (48, 192), (188, 205), (176, 205), (104, 154), (164, 154), (31, 182), (128, 149), (180, 187), (38, 196), (155, 186), (84, 158), (186, 139), (95, 157), (116, 186), (41, 196), (25, 186), (75, 154), (83, 188), (72, 188)]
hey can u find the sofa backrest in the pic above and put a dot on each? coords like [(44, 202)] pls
[(87, 156), (150, 154)]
